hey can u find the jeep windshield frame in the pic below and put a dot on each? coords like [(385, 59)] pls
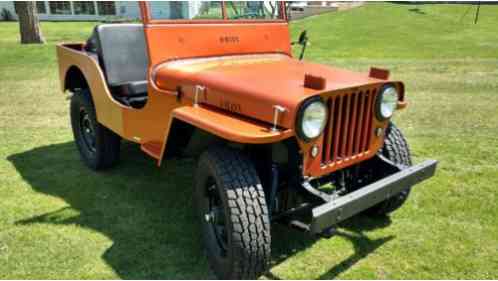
[(147, 18)]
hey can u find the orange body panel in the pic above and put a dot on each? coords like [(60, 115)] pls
[(149, 126), (251, 85), (243, 69), (208, 40), (109, 112)]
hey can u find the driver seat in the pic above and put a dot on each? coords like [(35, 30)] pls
[(121, 52)]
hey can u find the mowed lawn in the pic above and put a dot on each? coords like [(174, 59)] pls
[(59, 220)]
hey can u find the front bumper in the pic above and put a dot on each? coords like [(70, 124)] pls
[(337, 210)]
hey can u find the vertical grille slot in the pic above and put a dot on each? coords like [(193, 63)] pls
[(348, 131), (345, 126), (337, 127), (359, 127), (365, 137)]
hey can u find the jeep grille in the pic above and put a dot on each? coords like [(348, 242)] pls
[(349, 129)]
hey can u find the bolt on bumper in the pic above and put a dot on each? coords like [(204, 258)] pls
[(344, 207)]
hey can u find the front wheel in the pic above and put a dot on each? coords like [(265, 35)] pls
[(234, 217), (395, 149)]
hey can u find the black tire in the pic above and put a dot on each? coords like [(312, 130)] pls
[(228, 188), (395, 149), (98, 146)]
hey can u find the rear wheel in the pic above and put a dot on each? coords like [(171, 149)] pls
[(395, 149), (234, 216), (98, 146)]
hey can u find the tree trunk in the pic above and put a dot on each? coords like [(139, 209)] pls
[(28, 22)]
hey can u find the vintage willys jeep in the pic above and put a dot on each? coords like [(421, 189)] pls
[(278, 139)]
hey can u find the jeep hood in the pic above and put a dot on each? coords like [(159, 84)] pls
[(252, 85)]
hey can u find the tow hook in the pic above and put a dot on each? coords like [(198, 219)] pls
[(328, 232)]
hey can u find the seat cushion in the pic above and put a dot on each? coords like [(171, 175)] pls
[(133, 89), (122, 53)]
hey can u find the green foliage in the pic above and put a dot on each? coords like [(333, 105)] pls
[(6, 15), (59, 220)]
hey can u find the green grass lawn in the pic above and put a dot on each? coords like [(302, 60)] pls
[(60, 220)]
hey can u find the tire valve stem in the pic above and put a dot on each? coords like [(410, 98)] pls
[(209, 217)]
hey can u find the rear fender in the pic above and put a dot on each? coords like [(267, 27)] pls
[(109, 112)]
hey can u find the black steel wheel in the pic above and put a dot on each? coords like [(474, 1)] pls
[(98, 146), (233, 214), (395, 149), (214, 215), (87, 131)]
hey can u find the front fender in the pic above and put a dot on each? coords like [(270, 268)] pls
[(230, 126), (225, 125)]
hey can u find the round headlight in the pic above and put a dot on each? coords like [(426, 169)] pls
[(386, 102), (312, 119)]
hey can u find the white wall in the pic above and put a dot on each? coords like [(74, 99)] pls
[(128, 9), (193, 8), (125, 9)]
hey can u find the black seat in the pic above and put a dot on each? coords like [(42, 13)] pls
[(121, 51), (133, 89)]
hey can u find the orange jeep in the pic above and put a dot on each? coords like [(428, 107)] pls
[(278, 139)]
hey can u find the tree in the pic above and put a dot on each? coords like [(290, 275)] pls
[(28, 22), (176, 9)]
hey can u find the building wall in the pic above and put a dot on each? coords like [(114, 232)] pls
[(160, 9), (124, 9), (9, 5), (128, 9)]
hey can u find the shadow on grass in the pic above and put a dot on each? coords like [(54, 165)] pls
[(417, 11), (148, 213), (354, 231)]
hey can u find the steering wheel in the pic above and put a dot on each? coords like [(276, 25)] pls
[(247, 16)]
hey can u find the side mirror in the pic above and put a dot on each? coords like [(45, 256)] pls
[(303, 38), (303, 41)]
